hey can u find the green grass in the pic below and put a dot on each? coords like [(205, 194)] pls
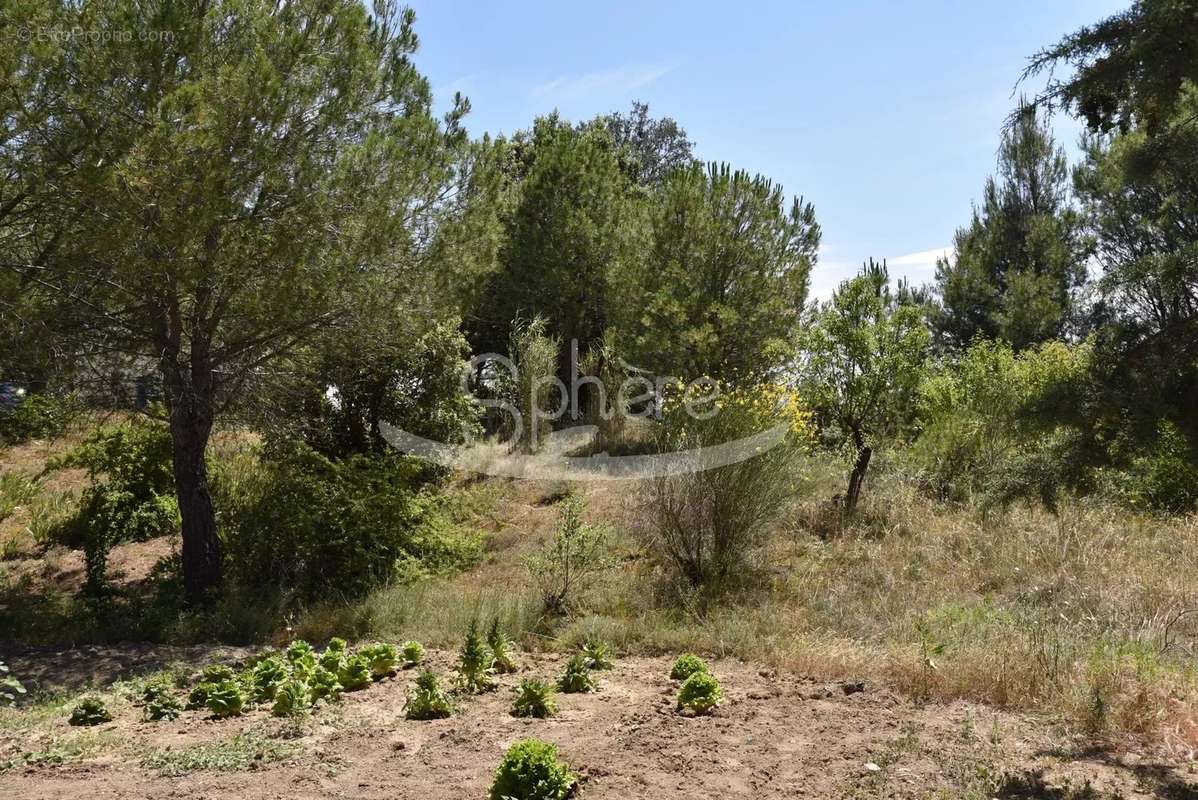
[(235, 753)]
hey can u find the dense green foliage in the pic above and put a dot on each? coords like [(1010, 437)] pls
[(1016, 268), (131, 496), (721, 289), (530, 770), (36, 416), (310, 525)]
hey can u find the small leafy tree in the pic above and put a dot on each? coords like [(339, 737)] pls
[(863, 358), (570, 559)]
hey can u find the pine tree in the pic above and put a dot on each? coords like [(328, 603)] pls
[(1018, 264)]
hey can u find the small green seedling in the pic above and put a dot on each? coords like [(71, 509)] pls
[(686, 665), (90, 711), (534, 699), (699, 693), (530, 770), (426, 699), (501, 648), (577, 677), (597, 654), (413, 654)]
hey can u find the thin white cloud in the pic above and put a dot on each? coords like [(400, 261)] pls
[(621, 79), (918, 268), (924, 258)]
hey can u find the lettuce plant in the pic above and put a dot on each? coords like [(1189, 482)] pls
[(699, 693), (217, 673), (534, 699), (530, 770), (90, 711), (332, 660), (501, 648), (577, 677), (160, 702), (265, 678), (426, 699), (324, 685), (291, 699), (226, 699), (381, 657), (686, 665), (413, 653), (302, 657), (355, 673), (198, 698)]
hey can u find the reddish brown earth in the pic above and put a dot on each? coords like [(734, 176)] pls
[(775, 736)]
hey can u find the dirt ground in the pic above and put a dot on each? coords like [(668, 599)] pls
[(774, 736)]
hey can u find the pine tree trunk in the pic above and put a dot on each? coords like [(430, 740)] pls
[(190, 425)]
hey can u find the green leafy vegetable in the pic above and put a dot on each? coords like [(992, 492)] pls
[(426, 699), (534, 699)]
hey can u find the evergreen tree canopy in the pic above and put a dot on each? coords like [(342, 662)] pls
[(723, 286), (1016, 266)]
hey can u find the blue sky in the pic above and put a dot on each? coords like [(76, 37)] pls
[(885, 115)]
